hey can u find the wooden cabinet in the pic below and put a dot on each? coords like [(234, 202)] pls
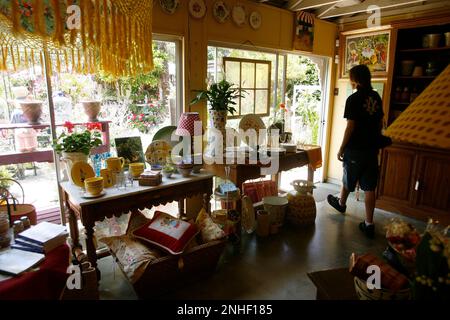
[(415, 181), (396, 180), (432, 184)]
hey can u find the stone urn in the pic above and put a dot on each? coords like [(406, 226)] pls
[(92, 109), (69, 158), (32, 111)]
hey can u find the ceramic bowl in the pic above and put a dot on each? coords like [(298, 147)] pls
[(167, 174)]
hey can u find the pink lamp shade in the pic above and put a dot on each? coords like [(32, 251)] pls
[(186, 123)]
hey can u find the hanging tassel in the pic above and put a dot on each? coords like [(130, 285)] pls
[(79, 61), (25, 53), (84, 16), (15, 17), (58, 36), (58, 62), (114, 30), (43, 67), (66, 59), (19, 62), (13, 59), (33, 63), (38, 15), (106, 24), (73, 61), (73, 32), (4, 57), (90, 22), (98, 23)]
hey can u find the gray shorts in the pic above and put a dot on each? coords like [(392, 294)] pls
[(360, 167)]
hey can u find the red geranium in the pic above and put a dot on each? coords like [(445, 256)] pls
[(69, 126)]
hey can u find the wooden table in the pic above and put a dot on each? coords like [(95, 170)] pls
[(334, 284), (116, 202), (239, 173)]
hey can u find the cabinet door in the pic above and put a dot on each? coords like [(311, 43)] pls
[(433, 183), (397, 175)]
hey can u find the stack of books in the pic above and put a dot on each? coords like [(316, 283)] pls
[(41, 238)]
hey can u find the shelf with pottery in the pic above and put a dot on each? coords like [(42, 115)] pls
[(46, 154)]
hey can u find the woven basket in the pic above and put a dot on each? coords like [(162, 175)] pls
[(171, 272), (301, 209), (379, 294)]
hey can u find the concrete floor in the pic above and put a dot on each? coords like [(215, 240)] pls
[(275, 267)]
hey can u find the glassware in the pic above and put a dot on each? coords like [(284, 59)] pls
[(121, 180), (18, 227), (26, 222)]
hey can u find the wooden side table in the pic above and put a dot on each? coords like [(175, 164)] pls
[(334, 284)]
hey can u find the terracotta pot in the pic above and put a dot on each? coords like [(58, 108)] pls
[(92, 109), (22, 210), (32, 111)]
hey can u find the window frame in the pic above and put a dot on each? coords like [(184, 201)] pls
[(254, 88)]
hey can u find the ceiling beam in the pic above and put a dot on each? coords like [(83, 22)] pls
[(399, 11), (362, 8), (323, 10), (310, 4)]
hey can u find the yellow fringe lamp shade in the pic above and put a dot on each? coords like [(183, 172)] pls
[(112, 36), (426, 121)]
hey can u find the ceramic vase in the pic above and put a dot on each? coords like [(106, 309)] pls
[(32, 111), (69, 158), (218, 119), (92, 109)]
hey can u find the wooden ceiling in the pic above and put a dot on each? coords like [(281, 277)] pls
[(353, 10)]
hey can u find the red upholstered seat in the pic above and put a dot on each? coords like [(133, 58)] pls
[(47, 283)]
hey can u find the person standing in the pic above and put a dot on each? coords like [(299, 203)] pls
[(359, 147)]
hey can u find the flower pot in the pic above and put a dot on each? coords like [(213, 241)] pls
[(32, 111), (92, 109), (218, 119), (69, 158)]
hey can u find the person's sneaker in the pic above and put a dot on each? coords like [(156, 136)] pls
[(369, 231), (334, 202)]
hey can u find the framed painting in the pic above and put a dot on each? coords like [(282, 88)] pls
[(369, 48), (130, 148)]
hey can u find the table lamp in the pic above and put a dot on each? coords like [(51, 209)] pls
[(187, 128), (426, 121)]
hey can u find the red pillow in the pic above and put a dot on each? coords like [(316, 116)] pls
[(167, 232)]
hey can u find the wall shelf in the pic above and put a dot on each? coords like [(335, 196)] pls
[(425, 49)]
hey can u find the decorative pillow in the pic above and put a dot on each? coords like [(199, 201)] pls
[(132, 255), (167, 232), (137, 219), (209, 230)]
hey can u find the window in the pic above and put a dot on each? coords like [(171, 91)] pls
[(156, 95), (253, 79)]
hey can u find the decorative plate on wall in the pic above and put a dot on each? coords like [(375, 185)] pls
[(169, 6), (197, 8), (221, 11), (239, 15), (255, 20)]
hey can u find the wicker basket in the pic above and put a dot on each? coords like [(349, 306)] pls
[(301, 209), (379, 294), (170, 272)]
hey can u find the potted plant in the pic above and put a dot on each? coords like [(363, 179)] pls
[(221, 97), (168, 170), (76, 146)]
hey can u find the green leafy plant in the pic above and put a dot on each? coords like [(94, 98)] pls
[(81, 141), (168, 168), (221, 96)]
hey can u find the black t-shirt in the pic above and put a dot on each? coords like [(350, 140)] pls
[(366, 109)]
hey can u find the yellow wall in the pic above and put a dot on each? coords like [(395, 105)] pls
[(276, 32)]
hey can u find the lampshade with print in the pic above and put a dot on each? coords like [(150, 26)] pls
[(426, 121), (186, 124)]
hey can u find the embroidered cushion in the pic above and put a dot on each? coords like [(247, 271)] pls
[(209, 230), (167, 232), (132, 255)]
